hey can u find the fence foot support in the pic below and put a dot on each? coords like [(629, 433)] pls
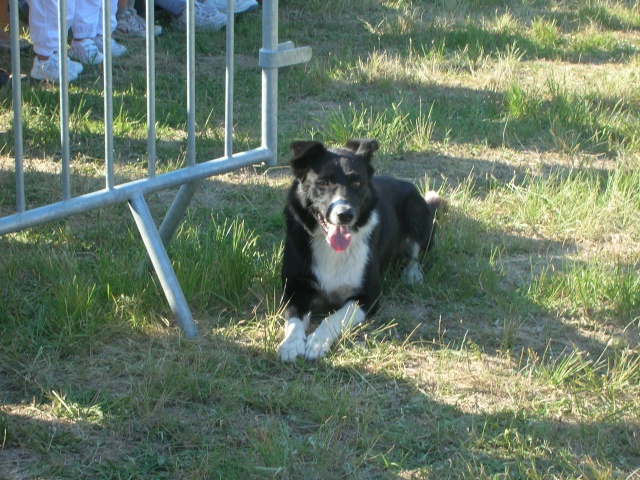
[(176, 211), (162, 265), (172, 218)]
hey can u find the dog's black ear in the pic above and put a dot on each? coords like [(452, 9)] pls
[(301, 155), (363, 146)]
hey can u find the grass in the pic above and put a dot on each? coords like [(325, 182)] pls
[(519, 355)]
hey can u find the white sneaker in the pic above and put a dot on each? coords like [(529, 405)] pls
[(131, 24), (205, 18), (75, 67), (117, 49), (239, 6), (49, 69), (85, 51)]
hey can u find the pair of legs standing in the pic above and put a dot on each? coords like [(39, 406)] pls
[(85, 19)]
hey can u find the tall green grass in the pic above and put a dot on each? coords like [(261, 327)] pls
[(607, 290), (576, 121), (586, 204), (395, 128), (217, 263)]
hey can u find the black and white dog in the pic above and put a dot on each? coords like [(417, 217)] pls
[(344, 227)]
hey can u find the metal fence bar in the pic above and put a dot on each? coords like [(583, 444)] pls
[(229, 72), (151, 89), (191, 83), (162, 265), (64, 100), (176, 211), (14, 21), (186, 193), (270, 79), (108, 95), (122, 193), (274, 55)]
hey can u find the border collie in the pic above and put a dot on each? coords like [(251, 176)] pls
[(344, 227)]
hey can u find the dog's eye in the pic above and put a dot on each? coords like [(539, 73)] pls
[(356, 183), (322, 183)]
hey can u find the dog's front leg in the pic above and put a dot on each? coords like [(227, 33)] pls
[(320, 341), (295, 336)]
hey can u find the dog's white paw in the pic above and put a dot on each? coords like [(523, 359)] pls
[(291, 348), (294, 341), (318, 344)]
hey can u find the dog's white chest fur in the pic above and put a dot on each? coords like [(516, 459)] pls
[(341, 274)]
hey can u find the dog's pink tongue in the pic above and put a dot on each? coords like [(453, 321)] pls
[(339, 237)]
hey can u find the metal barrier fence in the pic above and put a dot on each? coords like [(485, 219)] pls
[(272, 56)]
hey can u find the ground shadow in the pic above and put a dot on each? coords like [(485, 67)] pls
[(223, 407), (217, 407)]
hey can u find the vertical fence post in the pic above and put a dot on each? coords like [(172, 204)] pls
[(270, 81), (272, 57), (21, 203), (191, 83), (64, 100), (229, 73), (108, 95), (151, 88)]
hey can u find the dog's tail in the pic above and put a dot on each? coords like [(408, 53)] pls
[(436, 205), (434, 200)]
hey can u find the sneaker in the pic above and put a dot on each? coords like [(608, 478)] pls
[(117, 49), (75, 67), (133, 25), (239, 6), (85, 51), (205, 18), (49, 69)]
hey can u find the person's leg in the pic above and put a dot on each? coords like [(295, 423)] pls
[(130, 23), (117, 50), (174, 7), (85, 28), (239, 6), (43, 25), (114, 7), (86, 19), (121, 6)]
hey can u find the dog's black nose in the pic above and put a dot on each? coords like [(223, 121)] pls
[(347, 215), (341, 212)]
